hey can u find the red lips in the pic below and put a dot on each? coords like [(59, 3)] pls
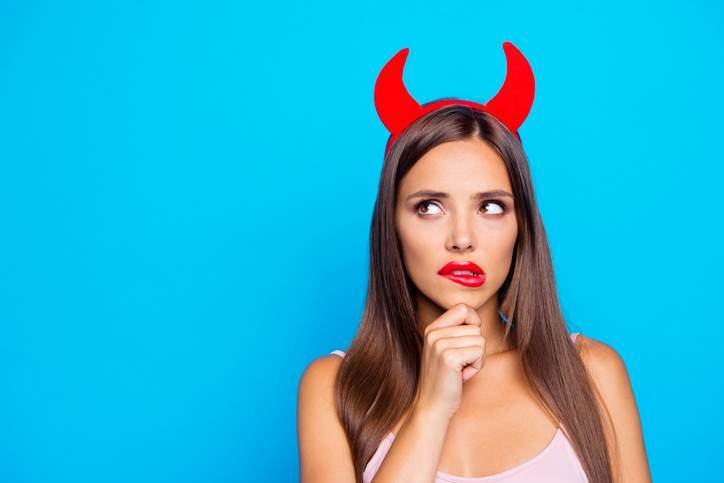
[(475, 279)]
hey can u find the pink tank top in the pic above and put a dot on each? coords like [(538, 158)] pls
[(557, 462)]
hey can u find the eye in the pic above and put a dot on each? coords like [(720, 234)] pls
[(500, 204), (427, 203), (424, 203)]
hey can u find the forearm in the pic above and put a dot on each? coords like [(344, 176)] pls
[(415, 451)]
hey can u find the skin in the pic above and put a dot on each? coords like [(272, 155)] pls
[(483, 231), (499, 423), (458, 228)]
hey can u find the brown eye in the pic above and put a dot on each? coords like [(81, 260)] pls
[(425, 204), (500, 205)]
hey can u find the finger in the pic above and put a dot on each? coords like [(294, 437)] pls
[(464, 342), (460, 342), (454, 331), (460, 313), (469, 372), (473, 368), (460, 357)]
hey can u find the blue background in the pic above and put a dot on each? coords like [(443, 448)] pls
[(185, 200)]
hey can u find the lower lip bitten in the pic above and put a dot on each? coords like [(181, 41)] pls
[(467, 280)]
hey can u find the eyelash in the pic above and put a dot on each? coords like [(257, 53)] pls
[(498, 202)]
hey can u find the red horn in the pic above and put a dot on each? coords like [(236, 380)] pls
[(513, 101), (395, 106), (397, 109)]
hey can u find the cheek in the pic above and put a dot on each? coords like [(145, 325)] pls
[(419, 249), (501, 253)]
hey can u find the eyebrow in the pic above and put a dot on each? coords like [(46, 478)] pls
[(476, 196)]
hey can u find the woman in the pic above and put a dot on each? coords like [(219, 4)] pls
[(463, 369)]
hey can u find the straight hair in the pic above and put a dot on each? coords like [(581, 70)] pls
[(379, 376)]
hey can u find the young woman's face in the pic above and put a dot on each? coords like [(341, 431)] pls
[(437, 229)]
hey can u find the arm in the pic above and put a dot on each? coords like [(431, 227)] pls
[(608, 371), (415, 451), (324, 452)]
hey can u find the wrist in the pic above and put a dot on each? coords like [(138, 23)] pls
[(431, 415)]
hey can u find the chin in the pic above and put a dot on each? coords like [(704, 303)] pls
[(448, 297)]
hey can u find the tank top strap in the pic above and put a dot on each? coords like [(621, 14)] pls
[(574, 336)]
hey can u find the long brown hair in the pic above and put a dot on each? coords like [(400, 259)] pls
[(378, 379)]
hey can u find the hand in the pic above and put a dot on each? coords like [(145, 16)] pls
[(453, 352)]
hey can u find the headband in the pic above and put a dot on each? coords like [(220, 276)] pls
[(397, 109)]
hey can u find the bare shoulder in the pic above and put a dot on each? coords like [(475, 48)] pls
[(317, 381), (324, 453), (607, 370), (611, 378), (600, 357), (323, 368)]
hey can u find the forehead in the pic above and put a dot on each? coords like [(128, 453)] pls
[(458, 166)]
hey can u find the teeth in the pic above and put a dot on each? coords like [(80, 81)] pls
[(462, 272)]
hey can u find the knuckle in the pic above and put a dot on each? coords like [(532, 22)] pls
[(430, 338), (437, 346)]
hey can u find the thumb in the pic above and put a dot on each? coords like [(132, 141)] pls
[(471, 369)]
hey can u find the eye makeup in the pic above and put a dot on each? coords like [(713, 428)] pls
[(425, 202)]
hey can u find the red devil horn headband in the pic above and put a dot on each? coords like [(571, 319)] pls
[(398, 109)]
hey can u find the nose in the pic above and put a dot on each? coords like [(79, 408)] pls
[(461, 235)]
